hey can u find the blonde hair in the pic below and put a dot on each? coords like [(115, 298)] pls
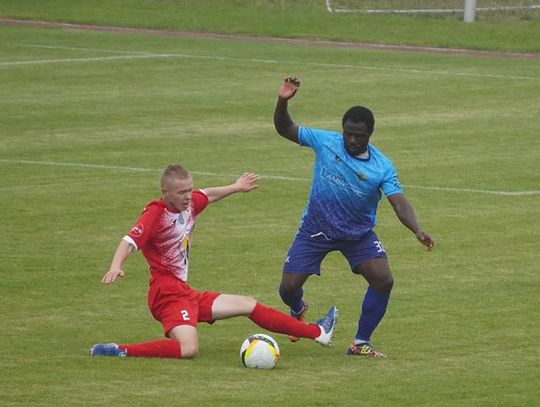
[(174, 171)]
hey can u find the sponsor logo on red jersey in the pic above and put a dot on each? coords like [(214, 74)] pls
[(137, 230)]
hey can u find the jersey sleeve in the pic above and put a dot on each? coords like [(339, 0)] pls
[(200, 200), (390, 184), (145, 228), (312, 137)]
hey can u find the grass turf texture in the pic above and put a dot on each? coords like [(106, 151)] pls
[(462, 327), (295, 19)]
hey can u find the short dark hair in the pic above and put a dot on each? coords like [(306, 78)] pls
[(360, 114)]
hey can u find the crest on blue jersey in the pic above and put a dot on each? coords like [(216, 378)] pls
[(361, 176)]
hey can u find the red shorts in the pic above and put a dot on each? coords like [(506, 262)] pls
[(173, 302)]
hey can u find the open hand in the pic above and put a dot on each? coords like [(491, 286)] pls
[(247, 182), (112, 275), (288, 87)]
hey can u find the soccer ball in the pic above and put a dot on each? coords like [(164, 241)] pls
[(259, 351)]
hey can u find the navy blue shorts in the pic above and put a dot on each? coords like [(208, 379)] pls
[(308, 251)]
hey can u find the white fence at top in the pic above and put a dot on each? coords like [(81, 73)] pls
[(469, 8)]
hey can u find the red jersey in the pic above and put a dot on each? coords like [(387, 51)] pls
[(164, 235)]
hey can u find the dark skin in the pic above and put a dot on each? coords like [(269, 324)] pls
[(356, 138)]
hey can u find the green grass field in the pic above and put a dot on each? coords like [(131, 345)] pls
[(88, 120), (510, 31)]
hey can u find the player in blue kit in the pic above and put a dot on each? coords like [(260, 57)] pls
[(349, 177)]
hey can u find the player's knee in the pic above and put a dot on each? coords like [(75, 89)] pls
[(243, 305), (249, 304), (188, 351), (386, 284), (288, 288)]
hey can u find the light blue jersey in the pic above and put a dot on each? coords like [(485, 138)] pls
[(346, 190)]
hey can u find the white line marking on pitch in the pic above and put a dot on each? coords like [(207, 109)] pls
[(84, 49), (272, 177), (92, 59), (136, 54)]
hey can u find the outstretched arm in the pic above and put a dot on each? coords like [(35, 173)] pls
[(405, 213), (282, 120), (246, 183), (122, 253)]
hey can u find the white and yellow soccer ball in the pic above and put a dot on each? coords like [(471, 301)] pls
[(260, 351)]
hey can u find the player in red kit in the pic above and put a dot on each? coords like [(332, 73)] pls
[(163, 234)]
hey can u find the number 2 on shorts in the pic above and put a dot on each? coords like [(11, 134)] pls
[(185, 315)]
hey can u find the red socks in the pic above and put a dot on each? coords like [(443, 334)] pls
[(165, 348), (266, 317), (276, 321)]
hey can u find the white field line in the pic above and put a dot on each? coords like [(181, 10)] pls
[(84, 49), (271, 177), (91, 59), (137, 55)]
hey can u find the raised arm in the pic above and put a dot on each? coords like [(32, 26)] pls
[(405, 213), (246, 183), (282, 120)]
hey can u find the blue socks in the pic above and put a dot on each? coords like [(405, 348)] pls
[(293, 300), (373, 309)]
